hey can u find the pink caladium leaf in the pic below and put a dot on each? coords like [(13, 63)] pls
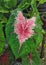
[(23, 27)]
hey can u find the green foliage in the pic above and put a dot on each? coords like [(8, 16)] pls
[(35, 58), (3, 9), (8, 3), (24, 4), (25, 61), (42, 1), (2, 40), (30, 45), (3, 19), (27, 47)]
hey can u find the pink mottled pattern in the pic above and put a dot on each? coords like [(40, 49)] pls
[(23, 27)]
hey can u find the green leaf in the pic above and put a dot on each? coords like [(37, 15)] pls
[(28, 46), (25, 61), (10, 3), (3, 19), (3, 9), (35, 58), (24, 4), (7, 5), (2, 40), (42, 1)]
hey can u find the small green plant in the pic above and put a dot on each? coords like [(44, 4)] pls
[(8, 13)]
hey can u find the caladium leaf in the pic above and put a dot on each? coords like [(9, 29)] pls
[(28, 46), (2, 40), (13, 40)]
